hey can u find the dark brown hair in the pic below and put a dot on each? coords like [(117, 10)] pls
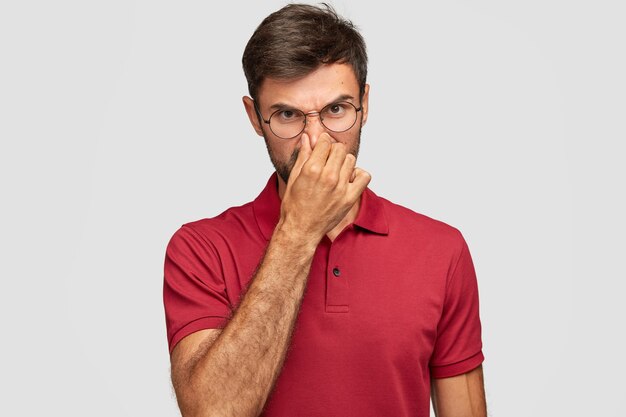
[(295, 40)]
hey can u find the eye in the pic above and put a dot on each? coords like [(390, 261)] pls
[(336, 110), (287, 116)]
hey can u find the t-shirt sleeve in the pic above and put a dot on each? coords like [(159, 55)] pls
[(458, 348), (194, 292)]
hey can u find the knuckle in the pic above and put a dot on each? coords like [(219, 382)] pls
[(331, 179), (312, 169)]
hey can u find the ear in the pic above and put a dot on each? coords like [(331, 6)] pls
[(365, 103), (248, 104)]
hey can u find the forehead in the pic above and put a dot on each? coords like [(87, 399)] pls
[(312, 91)]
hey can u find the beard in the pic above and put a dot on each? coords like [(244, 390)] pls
[(283, 168)]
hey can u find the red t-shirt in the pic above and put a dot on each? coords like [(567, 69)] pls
[(392, 301)]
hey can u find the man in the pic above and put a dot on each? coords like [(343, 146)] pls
[(319, 298)]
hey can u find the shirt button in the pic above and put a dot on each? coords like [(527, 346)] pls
[(336, 272)]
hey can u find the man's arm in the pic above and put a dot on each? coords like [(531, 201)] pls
[(460, 396), (231, 372)]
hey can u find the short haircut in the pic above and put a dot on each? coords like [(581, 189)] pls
[(295, 40)]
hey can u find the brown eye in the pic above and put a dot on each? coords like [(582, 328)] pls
[(286, 114), (335, 110)]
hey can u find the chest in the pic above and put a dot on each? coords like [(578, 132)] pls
[(364, 293)]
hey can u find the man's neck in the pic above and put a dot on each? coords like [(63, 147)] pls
[(347, 220)]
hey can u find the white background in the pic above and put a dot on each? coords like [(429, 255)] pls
[(121, 120)]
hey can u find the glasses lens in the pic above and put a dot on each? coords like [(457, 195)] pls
[(287, 123), (339, 117)]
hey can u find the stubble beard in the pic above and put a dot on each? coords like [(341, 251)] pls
[(283, 169)]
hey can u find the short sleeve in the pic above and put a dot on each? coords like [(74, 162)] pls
[(458, 348), (194, 292)]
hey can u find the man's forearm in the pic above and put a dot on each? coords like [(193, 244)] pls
[(233, 375), (238, 371), (460, 396)]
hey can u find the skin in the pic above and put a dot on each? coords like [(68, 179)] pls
[(460, 396), (311, 93), (231, 371)]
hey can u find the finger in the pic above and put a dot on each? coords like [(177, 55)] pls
[(320, 153), (336, 158), (347, 169), (304, 154), (361, 180)]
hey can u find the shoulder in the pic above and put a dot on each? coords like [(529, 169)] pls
[(231, 219), (228, 225), (403, 220)]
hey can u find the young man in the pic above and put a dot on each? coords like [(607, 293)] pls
[(319, 298)]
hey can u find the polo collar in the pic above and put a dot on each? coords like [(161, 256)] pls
[(266, 209)]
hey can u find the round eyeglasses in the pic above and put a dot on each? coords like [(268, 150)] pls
[(287, 123)]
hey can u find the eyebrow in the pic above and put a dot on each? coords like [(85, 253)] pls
[(343, 97)]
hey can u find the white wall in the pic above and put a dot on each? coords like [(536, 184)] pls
[(121, 120)]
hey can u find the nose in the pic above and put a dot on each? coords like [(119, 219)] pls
[(314, 127)]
